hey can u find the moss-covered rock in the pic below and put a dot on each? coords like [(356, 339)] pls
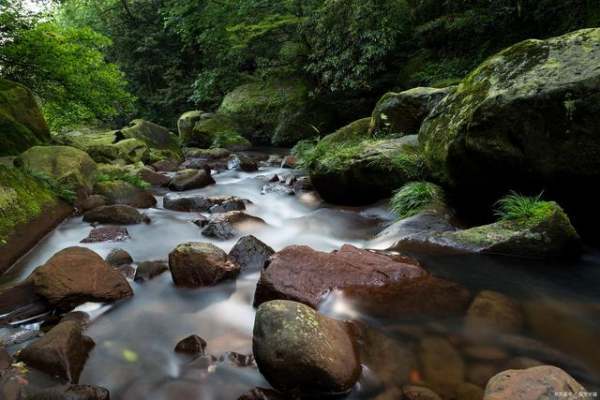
[(280, 112), (121, 192), (22, 198), (186, 123), (22, 124), (548, 233), (527, 118), (402, 113), (68, 166), (132, 150), (152, 134)]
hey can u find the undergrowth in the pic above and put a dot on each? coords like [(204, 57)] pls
[(515, 207), (415, 197), (135, 180)]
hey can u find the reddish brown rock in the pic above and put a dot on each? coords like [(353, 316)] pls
[(62, 352), (118, 257), (147, 270), (538, 383), (193, 345), (107, 234), (443, 368), (72, 392), (200, 264), (302, 274), (411, 392), (77, 275)]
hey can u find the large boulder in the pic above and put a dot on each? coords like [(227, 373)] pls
[(215, 130), (77, 275), (185, 125), (154, 135), (528, 119), (279, 112), (121, 192), (402, 113), (305, 275), (250, 253), (118, 214), (66, 165), (301, 351), (189, 179), (22, 124), (200, 264), (546, 235), (62, 352), (537, 383)]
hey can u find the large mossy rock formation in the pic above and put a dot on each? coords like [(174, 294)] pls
[(402, 113), (22, 124), (548, 234), (527, 118), (154, 135), (211, 131), (68, 166), (275, 112)]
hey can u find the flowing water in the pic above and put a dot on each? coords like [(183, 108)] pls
[(134, 355)]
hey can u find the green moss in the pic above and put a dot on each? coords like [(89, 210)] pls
[(415, 197), (207, 130), (22, 198), (108, 177), (230, 140)]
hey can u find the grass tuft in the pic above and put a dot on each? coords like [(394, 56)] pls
[(60, 190), (123, 176), (516, 207), (415, 197)]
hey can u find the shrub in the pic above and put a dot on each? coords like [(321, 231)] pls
[(414, 197), (516, 207)]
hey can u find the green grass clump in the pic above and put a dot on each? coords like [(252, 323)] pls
[(135, 180), (516, 207), (61, 191), (414, 197)]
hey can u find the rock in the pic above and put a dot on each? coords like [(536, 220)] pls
[(21, 120), (469, 391), (189, 179), (201, 221), (155, 136), (494, 312), (116, 214), (72, 392), (411, 392), (300, 350), (154, 178), (277, 187), (216, 204), (303, 184), (200, 264), (289, 162), (206, 154), (131, 151), (262, 394), (120, 192), (302, 274), (186, 123), (520, 121), (538, 383), (62, 352), (547, 235), (250, 253), (107, 234), (226, 204), (479, 373), (5, 360), (92, 202), (485, 353), (210, 127), (192, 345), (226, 226), (246, 164), (239, 360), (148, 270), (279, 112), (522, 363), (443, 368), (66, 165), (402, 113), (168, 165), (77, 275)]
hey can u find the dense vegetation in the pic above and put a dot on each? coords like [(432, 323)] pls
[(112, 59)]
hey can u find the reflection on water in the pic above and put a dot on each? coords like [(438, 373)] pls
[(134, 355)]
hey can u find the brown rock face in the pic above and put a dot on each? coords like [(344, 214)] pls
[(76, 275), (62, 352), (494, 312), (305, 275), (200, 264), (299, 350), (189, 179), (106, 234), (115, 214), (538, 383)]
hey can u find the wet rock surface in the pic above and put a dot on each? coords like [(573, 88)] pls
[(189, 179), (199, 203), (72, 392), (119, 192), (118, 257), (299, 350), (250, 253), (148, 270), (200, 264), (192, 345), (228, 225), (106, 234), (116, 214)]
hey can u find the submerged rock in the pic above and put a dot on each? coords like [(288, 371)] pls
[(200, 264), (61, 352), (115, 214), (443, 368), (302, 274), (192, 345), (118, 257), (494, 312), (538, 383), (299, 350), (72, 392), (402, 113), (148, 270), (250, 253), (189, 179), (77, 275), (107, 234)]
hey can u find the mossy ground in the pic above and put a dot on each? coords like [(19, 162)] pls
[(22, 198)]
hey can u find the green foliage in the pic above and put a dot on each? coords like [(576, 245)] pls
[(516, 207), (415, 197), (60, 190), (66, 67), (410, 163), (119, 175), (229, 139)]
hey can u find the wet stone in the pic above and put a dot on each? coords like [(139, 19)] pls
[(192, 345), (250, 253), (118, 257), (148, 270), (115, 214), (107, 234)]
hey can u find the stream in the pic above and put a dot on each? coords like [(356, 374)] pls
[(134, 356)]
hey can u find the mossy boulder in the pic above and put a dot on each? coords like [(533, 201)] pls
[(22, 198), (402, 113), (215, 131), (349, 167), (278, 112), (132, 150), (528, 119), (120, 192), (22, 123), (152, 134), (549, 233), (186, 123), (68, 166)]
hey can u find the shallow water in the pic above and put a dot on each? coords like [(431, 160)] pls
[(134, 355)]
